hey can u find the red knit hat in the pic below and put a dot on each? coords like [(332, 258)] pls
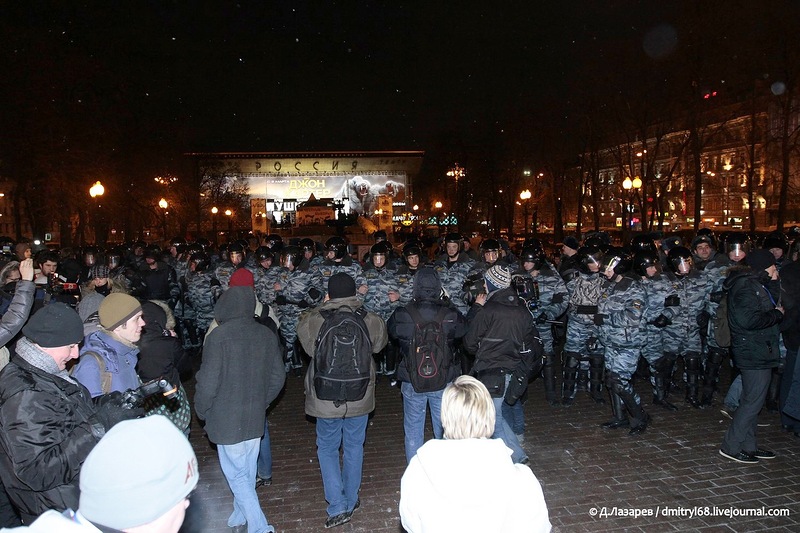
[(242, 278)]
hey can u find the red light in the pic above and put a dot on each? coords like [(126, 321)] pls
[(706, 96), (714, 93)]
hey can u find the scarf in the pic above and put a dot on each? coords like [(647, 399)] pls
[(36, 357)]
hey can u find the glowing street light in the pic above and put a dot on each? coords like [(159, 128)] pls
[(163, 204), (437, 205), (96, 190), (214, 210)]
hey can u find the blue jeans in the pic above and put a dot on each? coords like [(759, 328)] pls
[(415, 410), (238, 463), (265, 454), (515, 417), (503, 432), (341, 483)]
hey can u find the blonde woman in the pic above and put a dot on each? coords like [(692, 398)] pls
[(467, 481)]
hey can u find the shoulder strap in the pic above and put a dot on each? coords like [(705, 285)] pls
[(105, 375)]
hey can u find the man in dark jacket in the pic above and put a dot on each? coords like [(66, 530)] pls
[(242, 372), (428, 305), (754, 315), (502, 335), (48, 422), (340, 425)]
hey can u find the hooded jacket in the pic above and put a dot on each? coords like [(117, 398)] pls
[(159, 351), (242, 371), (498, 330), (428, 301), (437, 492), (120, 360), (307, 331), (753, 319)]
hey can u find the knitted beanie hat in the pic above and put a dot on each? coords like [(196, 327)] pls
[(116, 309), (242, 278), (341, 285), (498, 277), (54, 325)]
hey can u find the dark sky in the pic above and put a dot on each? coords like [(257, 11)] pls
[(301, 75)]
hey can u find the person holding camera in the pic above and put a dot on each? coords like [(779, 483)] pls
[(502, 335), (48, 421)]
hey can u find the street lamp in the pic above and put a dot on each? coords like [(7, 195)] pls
[(96, 191), (214, 212), (525, 196), (630, 186), (456, 173), (229, 214), (163, 204)]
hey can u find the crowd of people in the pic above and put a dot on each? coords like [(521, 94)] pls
[(96, 338)]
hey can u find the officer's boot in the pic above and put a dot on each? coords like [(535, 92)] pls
[(571, 362), (692, 365), (583, 380), (660, 392), (618, 417), (549, 376), (774, 391), (622, 388), (596, 379), (711, 376)]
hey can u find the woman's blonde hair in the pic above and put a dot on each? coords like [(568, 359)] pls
[(467, 410)]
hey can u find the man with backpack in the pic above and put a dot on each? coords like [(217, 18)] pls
[(426, 329), (340, 337)]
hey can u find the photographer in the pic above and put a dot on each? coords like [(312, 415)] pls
[(48, 421)]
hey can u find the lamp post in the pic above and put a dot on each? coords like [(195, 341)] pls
[(163, 204), (229, 214), (630, 186), (96, 191), (214, 212), (438, 206), (525, 196), (456, 173)]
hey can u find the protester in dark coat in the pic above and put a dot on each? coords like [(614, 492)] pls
[(754, 316), (242, 372)]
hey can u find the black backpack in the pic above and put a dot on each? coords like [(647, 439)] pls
[(342, 356), (429, 358)]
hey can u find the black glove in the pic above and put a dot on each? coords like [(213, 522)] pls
[(315, 294), (673, 300), (598, 319), (541, 319), (110, 410), (661, 321), (280, 299), (702, 320), (302, 304)]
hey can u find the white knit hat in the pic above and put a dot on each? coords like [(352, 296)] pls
[(137, 472), (498, 277)]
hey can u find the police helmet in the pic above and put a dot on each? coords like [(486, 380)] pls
[(680, 260), (91, 254), (200, 260), (643, 242), (379, 248), (307, 245), (737, 242), (453, 237), (490, 245), (380, 235), (644, 259), (263, 253), (338, 246), (152, 252), (7, 244), (412, 249), (617, 259), (533, 254), (589, 255), (291, 256)]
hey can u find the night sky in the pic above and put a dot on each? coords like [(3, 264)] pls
[(300, 75)]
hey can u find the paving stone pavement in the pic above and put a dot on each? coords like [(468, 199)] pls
[(587, 473)]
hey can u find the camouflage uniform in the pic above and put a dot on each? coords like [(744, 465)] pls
[(380, 281), (223, 272), (327, 268), (716, 271), (265, 280), (682, 335), (453, 275), (619, 317), (656, 290), (583, 341), (202, 292), (404, 277), (551, 303), (292, 299)]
